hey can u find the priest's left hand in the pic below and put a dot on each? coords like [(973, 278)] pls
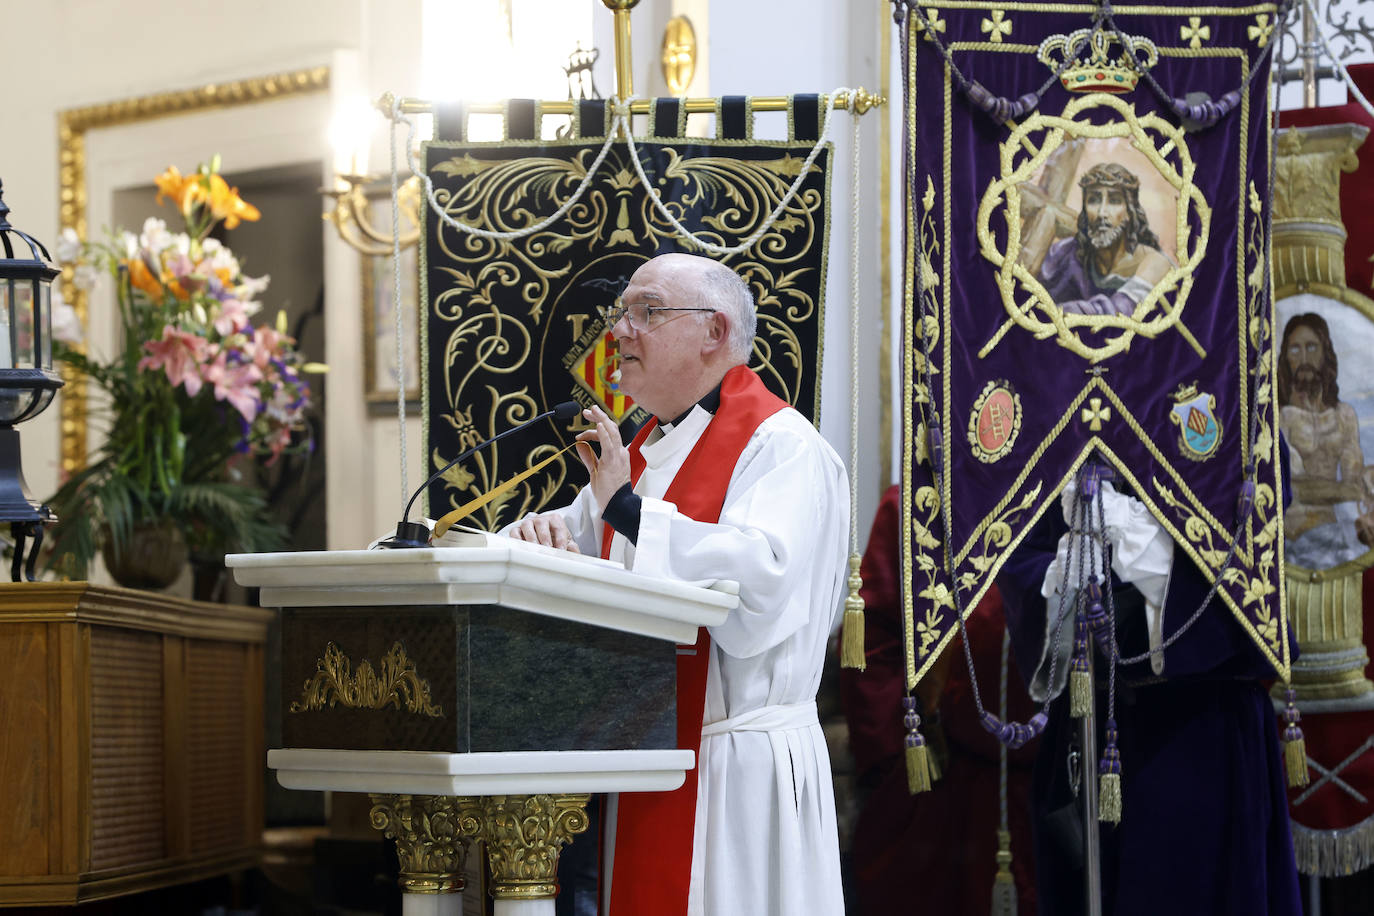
[(611, 470)]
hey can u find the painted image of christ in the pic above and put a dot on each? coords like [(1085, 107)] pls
[(1331, 518), (1110, 265)]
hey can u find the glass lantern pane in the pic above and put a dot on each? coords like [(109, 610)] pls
[(23, 324), (14, 402), (45, 324), (6, 301)]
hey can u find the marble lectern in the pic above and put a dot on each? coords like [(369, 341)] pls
[(478, 694)]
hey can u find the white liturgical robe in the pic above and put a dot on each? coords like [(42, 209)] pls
[(766, 842)]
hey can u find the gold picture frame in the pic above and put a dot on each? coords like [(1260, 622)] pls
[(73, 126), (380, 372)]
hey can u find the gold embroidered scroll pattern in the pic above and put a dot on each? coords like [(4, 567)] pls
[(1037, 312), (996, 537), (506, 196), (335, 682), (739, 194)]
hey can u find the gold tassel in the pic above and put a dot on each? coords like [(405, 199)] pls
[(917, 768), (1295, 761), (1080, 693), (1109, 798), (852, 637), (1294, 746)]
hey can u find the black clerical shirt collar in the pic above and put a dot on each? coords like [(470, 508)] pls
[(710, 404)]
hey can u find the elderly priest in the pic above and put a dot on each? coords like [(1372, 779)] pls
[(727, 482)]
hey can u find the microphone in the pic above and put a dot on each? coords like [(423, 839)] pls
[(415, 534)]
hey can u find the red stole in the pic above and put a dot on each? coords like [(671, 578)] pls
[(654, 830)]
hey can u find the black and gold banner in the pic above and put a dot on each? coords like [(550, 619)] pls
[(513, 325)]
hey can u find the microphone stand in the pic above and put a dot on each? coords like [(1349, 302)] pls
[(410, 535)]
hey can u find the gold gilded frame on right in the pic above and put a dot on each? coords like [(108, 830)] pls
[(73, 126)]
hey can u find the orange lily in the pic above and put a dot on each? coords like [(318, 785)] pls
[(173, 184), (142, 278), (226, 204)]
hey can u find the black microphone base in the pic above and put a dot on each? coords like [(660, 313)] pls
[(408, 535)]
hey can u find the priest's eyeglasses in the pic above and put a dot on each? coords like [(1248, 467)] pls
[(640, 315)]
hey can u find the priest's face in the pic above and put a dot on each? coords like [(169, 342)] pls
[(661, 367)]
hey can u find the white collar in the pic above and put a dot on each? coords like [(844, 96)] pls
[(669, 439)]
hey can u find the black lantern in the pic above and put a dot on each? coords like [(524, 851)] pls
[(27, 381)]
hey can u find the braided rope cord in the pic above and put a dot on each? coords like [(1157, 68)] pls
[(620, 123)]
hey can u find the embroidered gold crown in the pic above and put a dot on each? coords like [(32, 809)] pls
[(1097, 70), (1184, 392)]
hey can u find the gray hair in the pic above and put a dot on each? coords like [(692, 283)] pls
[(724, 290)]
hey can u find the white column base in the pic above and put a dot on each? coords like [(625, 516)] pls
[(435, 905), (542, 907)]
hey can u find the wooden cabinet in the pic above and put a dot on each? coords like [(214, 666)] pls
[(131, 741)]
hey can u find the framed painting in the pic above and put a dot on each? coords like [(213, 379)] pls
[(384, 371)]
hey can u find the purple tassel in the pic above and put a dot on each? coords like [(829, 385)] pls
[(918, 773), (1080, 686), (1246, 501), (1098, 622), (1206, 113), (1000, 109), (1109, 779), (1294, 745), (1013, 734)]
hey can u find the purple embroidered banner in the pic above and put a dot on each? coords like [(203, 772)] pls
[(1088, 279)]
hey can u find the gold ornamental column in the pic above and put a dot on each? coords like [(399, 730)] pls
[(1324, 596), (523, 835), (431, 844)]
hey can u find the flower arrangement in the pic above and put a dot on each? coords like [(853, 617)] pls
[(195, 393)]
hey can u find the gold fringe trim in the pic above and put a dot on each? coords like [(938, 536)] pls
[(852, 637), (1109, 798), (1080, 694), (917, 769), (1334, 853), (1295, 762)]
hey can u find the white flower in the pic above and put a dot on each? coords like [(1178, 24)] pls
[(252, 287), (219, 258), (68, 247), (66, 327), (155, 236), (128, 243), (211, 247), (84, 277)]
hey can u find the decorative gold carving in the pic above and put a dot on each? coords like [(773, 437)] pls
[(1309, 236), (679, 56), (432, 835), (72, 126), (398, 685), (523, 835)]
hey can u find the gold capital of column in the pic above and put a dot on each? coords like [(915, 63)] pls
[(523, 835), (431, 837)]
